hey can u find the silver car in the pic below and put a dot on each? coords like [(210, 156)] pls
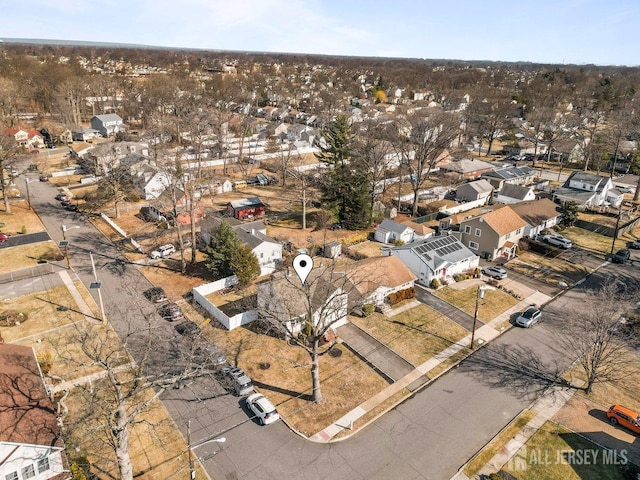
[(529, 317)]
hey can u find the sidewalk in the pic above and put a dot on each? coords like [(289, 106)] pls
[(485, 333)]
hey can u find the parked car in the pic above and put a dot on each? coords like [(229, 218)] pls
[(635, 244), (495, 272), (4, 237), (262, 408), (61, 197), (155, 295), (626, 189), (171, 312), (72, 207), (163, 251), (234, 379), (558, 241), (212, 354), (621, 256), (529, 317), (625, 417), (188, 329), (44, 178)]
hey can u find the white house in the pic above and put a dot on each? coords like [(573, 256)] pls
[(150, 181), (538, 215), (436, 258), (390, 231), (512, 193), (107, 124), (30, 442), (588, 190), (282, 301)]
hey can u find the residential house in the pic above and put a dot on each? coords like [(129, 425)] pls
[(493, 234), (26, 138), (473, 191), (420, 230), (538, 215), (220, 185), (509, 175), (466, 168), (246, 208), (107, 124), (588, 190), (372, 280), (267, 250), (390, 231), (150, 181), (436, 258), (283, 300), (85, 135), (511, 193), (30, 440)]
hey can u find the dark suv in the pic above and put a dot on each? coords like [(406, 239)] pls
[(156, 295), (621, 256), (171, 312)]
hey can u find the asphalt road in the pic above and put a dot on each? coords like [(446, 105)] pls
[(429, 436)]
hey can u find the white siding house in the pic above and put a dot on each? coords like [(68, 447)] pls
[(389, 231)]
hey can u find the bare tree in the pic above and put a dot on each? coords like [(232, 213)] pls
[(305, 313), (422, 143), (597, 337), (9, 150)]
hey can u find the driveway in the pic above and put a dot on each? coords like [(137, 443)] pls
[(25, 239), (383, 359), (461, 318)]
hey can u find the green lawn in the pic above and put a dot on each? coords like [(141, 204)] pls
[(493, 304), (416, 334)]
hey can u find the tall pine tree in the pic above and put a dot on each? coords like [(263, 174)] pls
[(344, 189), (221, 250)]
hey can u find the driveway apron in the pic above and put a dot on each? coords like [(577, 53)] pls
[(461, 318)]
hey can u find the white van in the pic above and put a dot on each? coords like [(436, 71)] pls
[(163, 251)]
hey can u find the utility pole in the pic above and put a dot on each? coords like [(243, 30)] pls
[(615, 232), (26, 182), (192, 471), (97, 285)]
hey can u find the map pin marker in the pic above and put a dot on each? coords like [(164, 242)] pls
[(303, 264)]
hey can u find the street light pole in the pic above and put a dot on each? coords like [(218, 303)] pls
[(26, 182), (98, 285)]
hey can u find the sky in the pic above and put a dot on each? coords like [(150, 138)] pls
[(541, 31)]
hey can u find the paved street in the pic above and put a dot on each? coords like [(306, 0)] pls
[(429, 436)]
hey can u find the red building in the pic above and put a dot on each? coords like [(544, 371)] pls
[(245, 208)]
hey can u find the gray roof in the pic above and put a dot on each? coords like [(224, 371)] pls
[(246, 202), (514, 191), (589, 178), (509, 173), (109, 117), (392, 226), (480, 186), (466, 166), (438, 252)]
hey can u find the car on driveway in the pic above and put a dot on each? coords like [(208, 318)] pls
[(529, 317), (558, 241), (635, 245), (495, 272), (625, 417), (621, 256), (262, 408), (163, 251)]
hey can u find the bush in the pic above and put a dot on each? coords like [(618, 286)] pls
[(23, 230), (368, 309), (459, 277), (435, 284), (397, 297), (45, 360), (398, 242)]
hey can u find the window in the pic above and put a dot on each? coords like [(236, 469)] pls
[(467, 229), (507, 235), (11, 476), (28, 472), (518, 231), (478, 232), (473, 245), (43, 465)]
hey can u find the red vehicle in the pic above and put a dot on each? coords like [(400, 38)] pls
[(4, 237)]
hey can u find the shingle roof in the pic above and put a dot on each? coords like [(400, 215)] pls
[(247, 202), (503, 220), (440, 251), (536, 212), (391, 226), (27, 415), (466, 166), (480, 186), (514, 191), (509, 173), (369, 274)]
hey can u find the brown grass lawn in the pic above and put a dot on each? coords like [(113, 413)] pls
[(20, 216), (368, 248), (346, 380), (597, 242), (23, 256), (546, 457), (546, 269), (416, 334), (494, 303)]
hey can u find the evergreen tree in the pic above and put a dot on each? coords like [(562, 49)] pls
[(344, 189), (245, 265), (221, 250), (569, 213)]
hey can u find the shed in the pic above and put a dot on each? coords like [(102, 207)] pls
[(245, 208)]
